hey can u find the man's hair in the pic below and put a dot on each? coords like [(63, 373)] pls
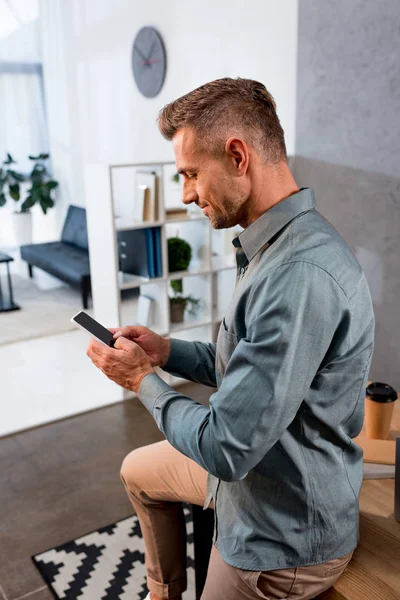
[(224, 108)]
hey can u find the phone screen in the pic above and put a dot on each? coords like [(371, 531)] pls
[(94, 328)]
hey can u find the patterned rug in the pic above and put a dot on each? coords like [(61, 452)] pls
[(107, 564)]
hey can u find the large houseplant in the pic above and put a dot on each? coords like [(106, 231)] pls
[(179, 257), (39, 192)]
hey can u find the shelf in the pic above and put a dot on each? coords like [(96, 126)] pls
[(175, 327), (182, 274), (185, 217), (219, 263), (124, 224), (132, 281)]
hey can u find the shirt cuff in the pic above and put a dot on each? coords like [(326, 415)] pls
[(181, 353), (150, 389)]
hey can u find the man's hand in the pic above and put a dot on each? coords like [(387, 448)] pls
[(156, 347), (126, 363)]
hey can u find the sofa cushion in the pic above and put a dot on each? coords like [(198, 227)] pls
[(67, 262), (75, 229)]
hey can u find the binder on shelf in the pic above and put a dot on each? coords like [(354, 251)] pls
[(136, 252), (157, 251), (150, 252)]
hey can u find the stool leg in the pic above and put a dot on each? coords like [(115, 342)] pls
[(203, 526), (30, 270)]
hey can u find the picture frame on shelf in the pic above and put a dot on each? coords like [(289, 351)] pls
[(123, 181)]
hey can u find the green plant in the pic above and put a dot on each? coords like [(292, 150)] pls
[(179, 257), (10, 181), (41, 184), (179, 254)]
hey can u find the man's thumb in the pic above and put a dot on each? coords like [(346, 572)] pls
[(123, 344)]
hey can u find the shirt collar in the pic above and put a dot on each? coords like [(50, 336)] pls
[(259, 233)]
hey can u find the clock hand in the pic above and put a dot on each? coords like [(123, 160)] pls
[(139, 52), (151, 50)]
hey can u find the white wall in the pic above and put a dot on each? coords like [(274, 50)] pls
[(95, 111)]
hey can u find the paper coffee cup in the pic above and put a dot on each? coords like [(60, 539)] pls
[(379, 405)]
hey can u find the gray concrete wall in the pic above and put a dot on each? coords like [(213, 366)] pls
[(348, 144)]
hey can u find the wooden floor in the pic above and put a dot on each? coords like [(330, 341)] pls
[(60, 481)]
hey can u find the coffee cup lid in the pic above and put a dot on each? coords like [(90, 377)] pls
[(381, 392)]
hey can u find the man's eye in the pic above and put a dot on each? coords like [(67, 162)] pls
[(192, 176)]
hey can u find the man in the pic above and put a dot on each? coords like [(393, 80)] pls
[(273, 453)]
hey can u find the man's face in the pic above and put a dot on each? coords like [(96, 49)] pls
[(209, 182)]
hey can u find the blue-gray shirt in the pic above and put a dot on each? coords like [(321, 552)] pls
[(290, 366)]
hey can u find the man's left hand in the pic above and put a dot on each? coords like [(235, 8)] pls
[(126, 363)]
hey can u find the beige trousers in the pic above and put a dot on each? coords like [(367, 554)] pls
[(157, 479)]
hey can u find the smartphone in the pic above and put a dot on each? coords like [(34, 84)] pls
[(85, 322)]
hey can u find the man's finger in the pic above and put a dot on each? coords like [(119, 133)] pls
[(129, 331)]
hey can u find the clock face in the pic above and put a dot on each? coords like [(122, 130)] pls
[(149, 61)]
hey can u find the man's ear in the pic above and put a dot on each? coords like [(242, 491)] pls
[(238, 151)]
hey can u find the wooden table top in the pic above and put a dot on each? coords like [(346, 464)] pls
[(374, 571)]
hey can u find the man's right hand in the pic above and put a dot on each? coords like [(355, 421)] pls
[(156, 347)]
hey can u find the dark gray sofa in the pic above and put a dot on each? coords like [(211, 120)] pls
[(67, 259)]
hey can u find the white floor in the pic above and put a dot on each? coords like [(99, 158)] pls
[(50, 378)]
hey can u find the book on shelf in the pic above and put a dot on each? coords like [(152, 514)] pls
[(144, 309), (145, 207)]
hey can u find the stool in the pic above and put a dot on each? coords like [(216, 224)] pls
[(203, 527)]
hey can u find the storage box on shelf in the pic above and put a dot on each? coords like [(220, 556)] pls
[(129, 251)]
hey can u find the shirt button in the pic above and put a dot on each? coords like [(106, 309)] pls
[(242, 270)]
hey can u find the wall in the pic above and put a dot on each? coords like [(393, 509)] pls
[(96, 113), (348, 148)]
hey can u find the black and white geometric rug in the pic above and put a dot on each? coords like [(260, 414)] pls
[(107, 564)]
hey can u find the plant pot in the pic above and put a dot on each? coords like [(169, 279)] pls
[(176, 310), (22, 228)]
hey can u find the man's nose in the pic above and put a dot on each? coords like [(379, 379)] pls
[(189, 193)]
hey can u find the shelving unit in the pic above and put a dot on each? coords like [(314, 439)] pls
[(110, 197)]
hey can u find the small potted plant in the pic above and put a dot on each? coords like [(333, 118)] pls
[(179, 257), (39, 193)]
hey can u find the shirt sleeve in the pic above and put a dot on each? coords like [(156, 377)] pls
[(293, 318), (194, 361)]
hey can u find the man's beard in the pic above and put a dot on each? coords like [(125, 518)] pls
[(229, 218)]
